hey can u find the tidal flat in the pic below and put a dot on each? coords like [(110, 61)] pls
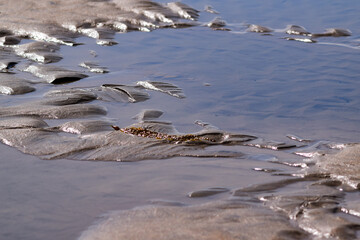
[(179, 120)]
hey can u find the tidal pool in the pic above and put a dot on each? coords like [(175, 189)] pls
[(253, 107)]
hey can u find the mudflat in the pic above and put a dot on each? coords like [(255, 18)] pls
[(205, 95)]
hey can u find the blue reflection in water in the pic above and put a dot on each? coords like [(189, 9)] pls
[(250, 82)]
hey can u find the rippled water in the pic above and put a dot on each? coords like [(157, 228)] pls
[(240, 82), (257, 83)]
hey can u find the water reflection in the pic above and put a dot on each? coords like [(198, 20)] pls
[(249, 83)]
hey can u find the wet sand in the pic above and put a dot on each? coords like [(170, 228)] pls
[(62, 198), (59, 101)]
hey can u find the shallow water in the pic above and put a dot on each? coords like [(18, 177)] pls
[(240, 82), (60, 199)]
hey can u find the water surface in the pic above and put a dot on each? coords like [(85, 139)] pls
[(240, 82)]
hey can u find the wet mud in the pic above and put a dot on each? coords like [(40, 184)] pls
[(218, 220), (310, 204), (68, 122)]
